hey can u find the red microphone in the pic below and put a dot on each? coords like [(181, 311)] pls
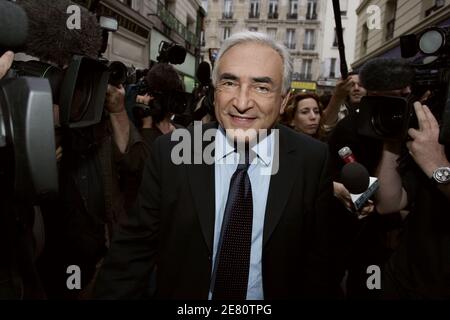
[(346, 155)]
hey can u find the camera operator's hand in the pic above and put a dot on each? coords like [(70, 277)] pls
[(425, 149), (115, 99), (115, 105), (343, 88), (6, 61)]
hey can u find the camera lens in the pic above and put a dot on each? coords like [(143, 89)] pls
[(388, 121)]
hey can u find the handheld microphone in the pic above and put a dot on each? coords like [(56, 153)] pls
[(346, 155), (356, 179)]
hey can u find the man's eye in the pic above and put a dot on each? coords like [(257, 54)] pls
[(228, 83), (262, 89)]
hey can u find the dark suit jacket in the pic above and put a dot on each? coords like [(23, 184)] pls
[(172, 226)]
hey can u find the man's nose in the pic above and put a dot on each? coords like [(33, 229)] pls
[(242, 101)]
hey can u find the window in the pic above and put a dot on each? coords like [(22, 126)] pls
[(305, 73), (343, 4), (272, 33), (290, 38), (133, 4), (391, 11), (254, 29), (293, 8), (333, 68), (309, 40), (335, 41), (202, 37), (228, 9), (205, 5), (226, 32), (432, 6), (311, 10), (364, 37), (273, 9), (254, 9)]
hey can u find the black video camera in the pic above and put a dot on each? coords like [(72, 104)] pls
[(171, 53), (27, 139), (389, 118)]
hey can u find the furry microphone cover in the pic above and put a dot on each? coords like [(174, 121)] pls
[(383, 74), (50, 39)]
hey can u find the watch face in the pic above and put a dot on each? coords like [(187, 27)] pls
[(442, 175)]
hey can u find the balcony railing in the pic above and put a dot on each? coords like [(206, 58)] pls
[(292, 16), (312, 16), (252, 15), (272, 15), (174, 24), (290, 45), (309, 46), (227, 15)]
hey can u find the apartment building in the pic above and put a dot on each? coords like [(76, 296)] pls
[(296, 23), (382, 22)]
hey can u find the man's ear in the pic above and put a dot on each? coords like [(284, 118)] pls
[(285, 101)]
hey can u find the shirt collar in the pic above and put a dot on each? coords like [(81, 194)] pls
[(264, 149)]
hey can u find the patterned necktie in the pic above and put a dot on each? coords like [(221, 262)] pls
[(233, 257)]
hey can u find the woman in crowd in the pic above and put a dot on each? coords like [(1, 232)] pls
[(303, 113)]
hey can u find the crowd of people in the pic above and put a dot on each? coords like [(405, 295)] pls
[(140, 225)]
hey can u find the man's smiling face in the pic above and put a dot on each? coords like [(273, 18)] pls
[(248, 92)]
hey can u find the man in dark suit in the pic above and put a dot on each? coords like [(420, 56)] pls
[(224, 227)]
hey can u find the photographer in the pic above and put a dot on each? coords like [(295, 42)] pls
[(97, 156), (419, 268), (368, 237), (163, 81)]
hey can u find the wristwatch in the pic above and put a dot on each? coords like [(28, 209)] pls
[(441, 175)]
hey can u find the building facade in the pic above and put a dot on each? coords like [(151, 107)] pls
[(382, 22), (143, 24), (296, 23)]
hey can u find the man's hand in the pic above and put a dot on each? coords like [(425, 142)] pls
[(343, 88), (343, 195), (425, 149), (115, 99), (6, 61), (341, 192)]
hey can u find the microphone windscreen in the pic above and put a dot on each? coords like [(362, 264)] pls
[(384, 74), (13, 26), (49, 37), (355, 177), (204, 73)]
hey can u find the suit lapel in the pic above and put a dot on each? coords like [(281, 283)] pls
[(202, 183), (281, 184)]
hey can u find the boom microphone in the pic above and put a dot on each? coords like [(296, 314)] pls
[(49, 37), (13, 26)]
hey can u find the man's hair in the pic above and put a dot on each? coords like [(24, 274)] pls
[(261, 38), (384, 74), (162, 77)]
